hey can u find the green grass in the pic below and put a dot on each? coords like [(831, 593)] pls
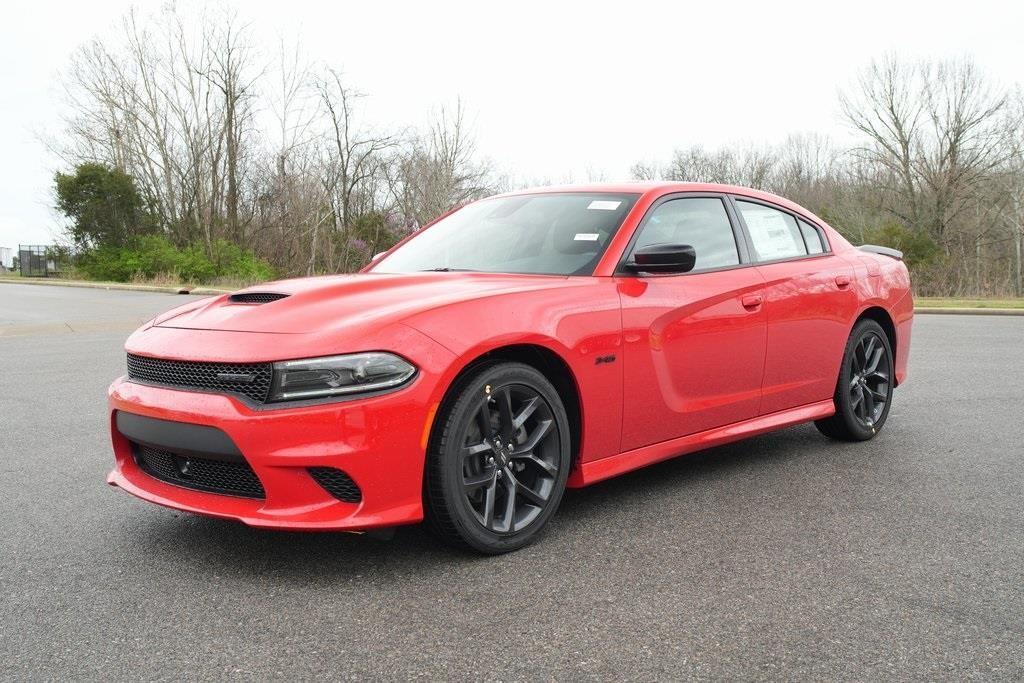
[(942, 302)]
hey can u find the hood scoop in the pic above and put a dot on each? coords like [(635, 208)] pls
[(255, 297)]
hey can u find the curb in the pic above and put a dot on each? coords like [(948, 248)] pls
[(933, 310), (162, 289)]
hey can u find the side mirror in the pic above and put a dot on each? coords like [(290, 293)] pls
[(663, 258)]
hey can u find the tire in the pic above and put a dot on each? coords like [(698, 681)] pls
[(864, 389), (473, 471)]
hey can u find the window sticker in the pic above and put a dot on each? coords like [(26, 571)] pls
[(603, 205), (586, 237), (771, 234)]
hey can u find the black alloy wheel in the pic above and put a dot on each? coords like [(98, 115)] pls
[(864, 390), (497, 471), (511, 458), (869, 380)]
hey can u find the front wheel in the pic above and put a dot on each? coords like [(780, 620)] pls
[(497, 466), (864, 389)]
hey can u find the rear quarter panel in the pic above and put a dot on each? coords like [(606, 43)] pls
[(884, 282)]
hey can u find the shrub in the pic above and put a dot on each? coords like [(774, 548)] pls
[(918, 249), (150, 256)]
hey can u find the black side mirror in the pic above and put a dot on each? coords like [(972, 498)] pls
[(663, 258)]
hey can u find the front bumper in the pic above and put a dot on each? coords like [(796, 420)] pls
[(379, 442)]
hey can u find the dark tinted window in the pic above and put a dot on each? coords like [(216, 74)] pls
[(775, 234), (700, 222), (812, 237), (548, 233)]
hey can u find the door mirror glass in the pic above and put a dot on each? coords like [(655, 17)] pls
[(663, 258)]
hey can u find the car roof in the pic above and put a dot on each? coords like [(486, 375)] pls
[(660, 187)]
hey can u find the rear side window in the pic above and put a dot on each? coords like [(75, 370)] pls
[(812, 238), (775, 234), (701, 222)]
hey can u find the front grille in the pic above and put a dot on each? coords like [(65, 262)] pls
[(255, 297), (251, 380), (201, 474), (337, 483)]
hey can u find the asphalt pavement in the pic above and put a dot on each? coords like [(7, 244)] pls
[(787, 556)]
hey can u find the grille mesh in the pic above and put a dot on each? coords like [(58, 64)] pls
[(203, 375), (337, 483), (215, 476), (256, 297)]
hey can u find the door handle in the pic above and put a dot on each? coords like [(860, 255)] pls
[(842, 281), (752, 301)]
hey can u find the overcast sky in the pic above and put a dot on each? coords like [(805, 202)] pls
[(553, 89)]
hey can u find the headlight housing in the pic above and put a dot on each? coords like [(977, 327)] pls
[(298, 380)]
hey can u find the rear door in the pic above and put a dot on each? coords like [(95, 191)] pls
[(809, 301), (694, 343)]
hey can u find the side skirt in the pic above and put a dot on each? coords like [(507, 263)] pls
[(605, 468)]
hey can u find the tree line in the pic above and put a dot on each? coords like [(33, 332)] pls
[(937, 171), (202, 142), (186, 141)]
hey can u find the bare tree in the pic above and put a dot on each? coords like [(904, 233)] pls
[(933, 132)]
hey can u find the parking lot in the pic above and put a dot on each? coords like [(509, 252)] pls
[(786, 556)]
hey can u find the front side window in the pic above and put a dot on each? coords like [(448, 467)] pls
[(775, 234), (548, 234), (700, 222)]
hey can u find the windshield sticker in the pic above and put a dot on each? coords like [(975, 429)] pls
[(586, 237), (603, 205)]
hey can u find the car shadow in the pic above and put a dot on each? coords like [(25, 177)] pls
[(225, 548)]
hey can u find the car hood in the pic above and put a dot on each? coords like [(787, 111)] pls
[(320, 304)]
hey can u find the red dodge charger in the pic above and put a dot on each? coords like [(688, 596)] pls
[(514, 347)]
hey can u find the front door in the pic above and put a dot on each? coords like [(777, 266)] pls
[(694, 343)]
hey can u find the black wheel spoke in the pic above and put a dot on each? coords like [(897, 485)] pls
[(483, 420), (869, 350), (538, 434), (525, 412), (488, 512), (506, 417), (872, 365), (475, 482), (868, 403), (477, 448), (509, 517), (856, 398), (528, 493)]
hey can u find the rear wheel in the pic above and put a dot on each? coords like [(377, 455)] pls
[(864, 390), (497, 468)]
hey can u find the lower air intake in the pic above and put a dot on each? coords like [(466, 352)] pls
[(337, 483), (201, 474)]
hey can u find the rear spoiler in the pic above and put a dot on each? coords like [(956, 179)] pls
[(884, 251)]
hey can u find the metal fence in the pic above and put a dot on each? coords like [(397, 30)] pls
[(39, 260)]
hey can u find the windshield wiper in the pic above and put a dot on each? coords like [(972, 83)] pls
[(444, 269)]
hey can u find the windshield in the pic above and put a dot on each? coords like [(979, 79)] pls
[(550, 234)]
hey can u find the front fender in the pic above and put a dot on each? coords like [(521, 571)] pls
[(580, 325)]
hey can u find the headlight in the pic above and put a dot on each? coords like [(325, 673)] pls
[(295, 380)]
